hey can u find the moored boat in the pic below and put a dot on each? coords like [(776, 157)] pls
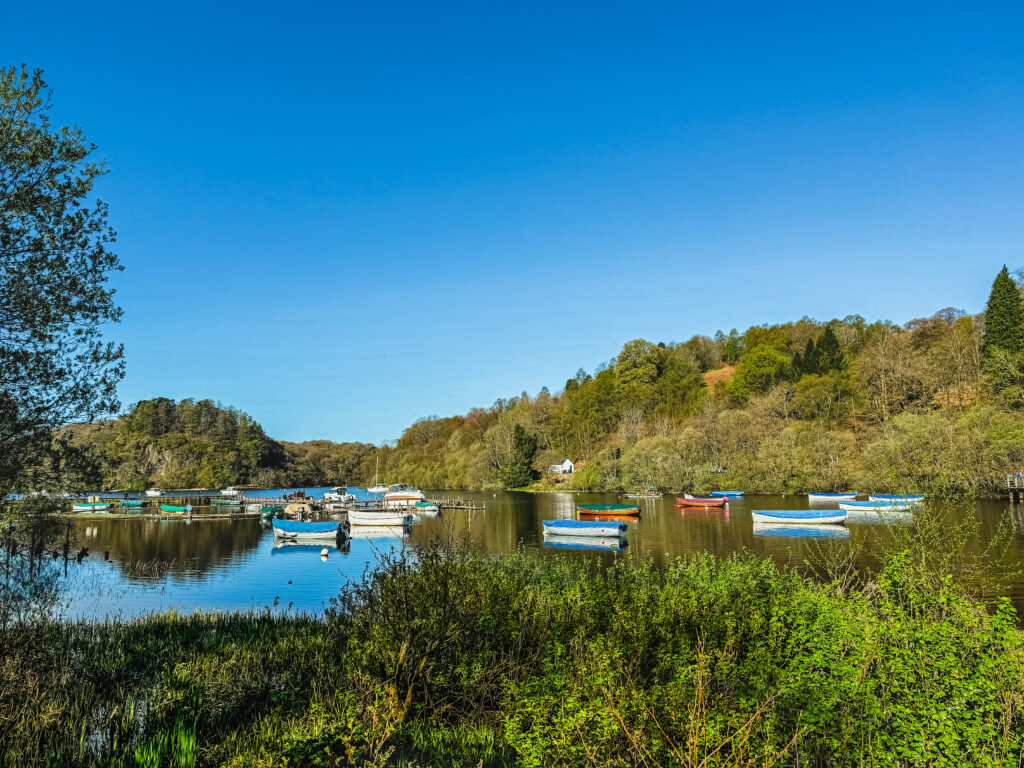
[(270, 510), (799, 516), (697, 501), (587, 528), (225, 503), (132, 503), (896, 497), (295, 529), (426, 508), (339, 494), (155, 492), (170, 509), (97, 506), (847, 496), (379, 517), (229, 492), (727, 494), (403, 495), (614, 510), (875, 506), (297, 511)]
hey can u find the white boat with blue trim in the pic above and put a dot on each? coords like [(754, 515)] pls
[(799, 516), (847, 496), (584, 528)]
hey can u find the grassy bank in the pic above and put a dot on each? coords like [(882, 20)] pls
[(456, 660)]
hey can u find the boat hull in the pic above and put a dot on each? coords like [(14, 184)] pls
[(608, 510), (292, 529), (90, 507), (893, 497), (584, 528), (831, 496), (611, 543), (361, 517), (727, 494), (798, 516), (690, 501), (880, 507)]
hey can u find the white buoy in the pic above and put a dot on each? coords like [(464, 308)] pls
[(323, 552)]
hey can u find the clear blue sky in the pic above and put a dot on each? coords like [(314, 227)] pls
[(341, 217)]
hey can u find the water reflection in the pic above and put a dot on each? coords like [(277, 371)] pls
[(805, 531), (233, 564)]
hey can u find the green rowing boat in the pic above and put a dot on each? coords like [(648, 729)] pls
[(175, 510), (608, 509)]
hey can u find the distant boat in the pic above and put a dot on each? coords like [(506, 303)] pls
[(848, 496), (696, 501), (155, 492), (727, 494), (229, 492), (887, 515), (384, 517), (876, 506), (799, 516), (294, 529), (339, 494), (132, 504), (426, 508), (173, 510), (609, 544), (297, 510), (803, 531), (226, 503), (377, 487), (91, 507), (586, 528), (269, 510), (616, 510), (403, 495), (896, 497)]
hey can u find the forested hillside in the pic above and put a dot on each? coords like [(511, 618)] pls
[(805, 405), (198, 444), (800, 406)]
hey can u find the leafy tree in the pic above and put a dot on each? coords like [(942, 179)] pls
[(1004, 317), (55, 366), (758, 371)]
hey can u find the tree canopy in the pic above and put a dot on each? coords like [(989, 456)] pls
[(55, 264)]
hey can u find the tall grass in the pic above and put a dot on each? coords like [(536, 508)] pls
[(444, 657)]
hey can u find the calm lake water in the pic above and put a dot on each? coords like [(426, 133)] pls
[(229, 565)]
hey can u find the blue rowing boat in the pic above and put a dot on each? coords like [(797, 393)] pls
[(586, 528), (727, 494), (295, 529), (896, 497), (610, 544), (799, 516)]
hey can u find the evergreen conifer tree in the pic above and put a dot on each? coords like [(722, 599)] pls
[(1004, 316), (809, 361), (830, 355)]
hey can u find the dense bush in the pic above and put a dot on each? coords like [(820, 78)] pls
[(443, 657)]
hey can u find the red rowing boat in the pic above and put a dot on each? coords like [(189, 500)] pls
[(696, 502)]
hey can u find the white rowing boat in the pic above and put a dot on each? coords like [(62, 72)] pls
[(369, 517)]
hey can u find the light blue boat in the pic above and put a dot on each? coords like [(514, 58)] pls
[(799, 516), (295, 529), (896, 497), (727, 494), (584, 528)]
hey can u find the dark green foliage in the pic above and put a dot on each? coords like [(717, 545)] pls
[(519, 472), (55, 366), (1004, 317), (443, 657), (829, 356)]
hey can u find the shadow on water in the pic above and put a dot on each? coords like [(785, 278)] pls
[(233, 564)]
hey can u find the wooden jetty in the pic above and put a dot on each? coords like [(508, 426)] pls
[(1015, 488)]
